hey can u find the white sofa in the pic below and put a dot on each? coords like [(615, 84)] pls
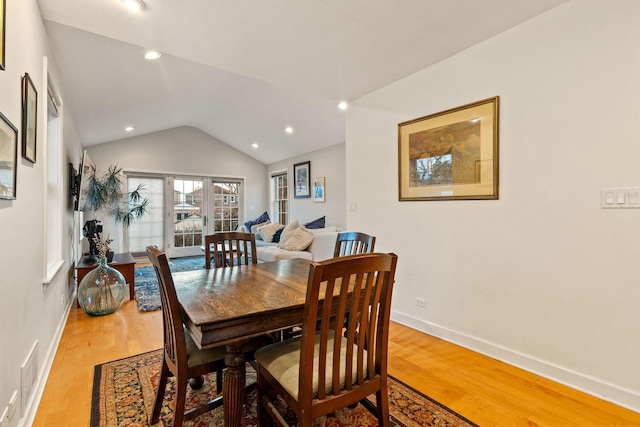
[(321, 248)]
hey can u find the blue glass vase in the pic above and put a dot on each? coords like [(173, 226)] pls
[(102, 290)]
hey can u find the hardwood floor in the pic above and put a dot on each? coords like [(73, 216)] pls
[(486, 391)]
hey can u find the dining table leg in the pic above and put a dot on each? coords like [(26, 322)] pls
[(233, 385)]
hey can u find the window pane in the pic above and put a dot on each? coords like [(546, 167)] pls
[(280, 198), (149, 229), (225, 205), (188, 211)]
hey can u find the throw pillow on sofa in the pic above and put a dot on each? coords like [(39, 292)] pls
[(316, 223), (266, 232), (288, 232), (254, 228), (276, 236), (299, 241), (260, 220)]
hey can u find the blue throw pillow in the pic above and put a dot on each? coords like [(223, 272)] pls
[(316, 223), (262, 218), (276, 236)]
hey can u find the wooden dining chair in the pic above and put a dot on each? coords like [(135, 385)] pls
[(229, 249), (325, 370), (235, 248), (182, 358), (353, 242)]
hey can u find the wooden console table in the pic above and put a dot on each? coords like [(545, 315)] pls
[(124, 263)]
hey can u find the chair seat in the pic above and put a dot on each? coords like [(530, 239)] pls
[(281, 360), (196, 356)]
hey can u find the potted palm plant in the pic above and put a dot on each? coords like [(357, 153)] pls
[(108, 193)]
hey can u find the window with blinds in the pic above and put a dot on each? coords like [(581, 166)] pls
[(149, 229)]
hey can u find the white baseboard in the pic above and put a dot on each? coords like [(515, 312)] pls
[(599, 388), (34, 400)]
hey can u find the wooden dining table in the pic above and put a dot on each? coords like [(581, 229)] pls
[(227, 306)]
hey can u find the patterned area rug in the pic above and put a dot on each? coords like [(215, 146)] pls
[(124, 392), (147, 293)]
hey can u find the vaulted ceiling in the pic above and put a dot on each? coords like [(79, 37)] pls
[(243, 70)]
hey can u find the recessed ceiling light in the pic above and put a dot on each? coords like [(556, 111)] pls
[(152, 54), (129, 128), (254, 145), (342, 105), (288, 129), (134, 4)]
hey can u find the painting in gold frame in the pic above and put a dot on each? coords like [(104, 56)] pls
[(3, 9), (451, 155)]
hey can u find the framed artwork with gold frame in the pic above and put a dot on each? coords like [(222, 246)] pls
[(451, 155), (318, 189)]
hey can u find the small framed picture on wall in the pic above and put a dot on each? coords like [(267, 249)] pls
[(29, 118), (318, 189), (301, 177), (8, 158)]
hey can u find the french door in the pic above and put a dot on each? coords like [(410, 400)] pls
[(182, 210), (200, 206), (186, 216)]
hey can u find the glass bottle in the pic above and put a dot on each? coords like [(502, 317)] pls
[(102, 290)]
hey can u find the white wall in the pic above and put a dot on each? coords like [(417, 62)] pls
[(183, 150), (330, 163), (543, 277), (30, 311)]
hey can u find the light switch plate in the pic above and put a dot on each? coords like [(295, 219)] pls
[(620, 198)]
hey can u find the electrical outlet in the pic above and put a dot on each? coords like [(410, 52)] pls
[(421, 302)]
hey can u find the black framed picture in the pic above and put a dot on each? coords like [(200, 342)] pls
[(8, 158), (29, 118), (302, 180)]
